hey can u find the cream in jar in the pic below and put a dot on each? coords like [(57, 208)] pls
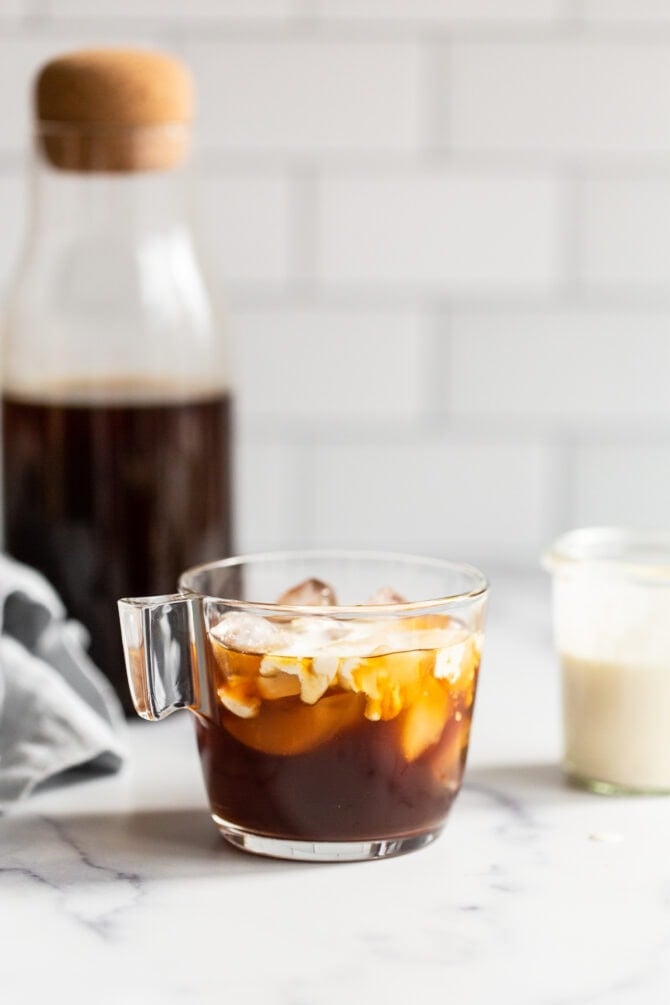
[(612, 629)]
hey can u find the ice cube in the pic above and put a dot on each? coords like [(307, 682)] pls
[(244, 706), (309, 593), (248, 633), (424, 721), (457, 663), (280, 685), (296, 729), (313, 684), (314, 632), (385, 595)]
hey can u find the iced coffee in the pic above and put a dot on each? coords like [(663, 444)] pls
[(331, 728), (332, 720)]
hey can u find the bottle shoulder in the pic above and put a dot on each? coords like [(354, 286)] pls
[(96, 304)]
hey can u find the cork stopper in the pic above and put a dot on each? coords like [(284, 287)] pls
[(113, 110)]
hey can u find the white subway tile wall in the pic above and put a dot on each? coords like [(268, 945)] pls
[(439, 231), (442, 228), (245, 226), (307, 96), (626, 231), (565, 370), (447, 495), (445, 11), (13, 190), (161, 9), (625, 480), (630, 11), (558, 98), (346, 367), (11, 9)]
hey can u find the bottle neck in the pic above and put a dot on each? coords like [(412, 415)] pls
[(109, 290), (127, 206)]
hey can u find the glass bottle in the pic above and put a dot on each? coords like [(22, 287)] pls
[(116, 392)]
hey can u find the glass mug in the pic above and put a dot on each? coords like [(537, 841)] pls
[(327, 730)]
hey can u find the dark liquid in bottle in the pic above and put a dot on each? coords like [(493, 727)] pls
[(111, 501)]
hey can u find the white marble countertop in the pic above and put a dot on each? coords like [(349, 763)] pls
[(121, 891)]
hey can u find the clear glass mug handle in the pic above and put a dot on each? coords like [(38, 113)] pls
[(165, 653)]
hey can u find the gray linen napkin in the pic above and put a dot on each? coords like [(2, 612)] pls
[(57, 711)]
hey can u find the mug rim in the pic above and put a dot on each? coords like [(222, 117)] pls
[(480, 587)]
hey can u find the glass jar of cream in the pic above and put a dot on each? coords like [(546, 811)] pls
[(611, 612)]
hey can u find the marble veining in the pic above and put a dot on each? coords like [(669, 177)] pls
[(66, 868), (120, 891)]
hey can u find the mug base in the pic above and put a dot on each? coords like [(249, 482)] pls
[(321, 851)]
